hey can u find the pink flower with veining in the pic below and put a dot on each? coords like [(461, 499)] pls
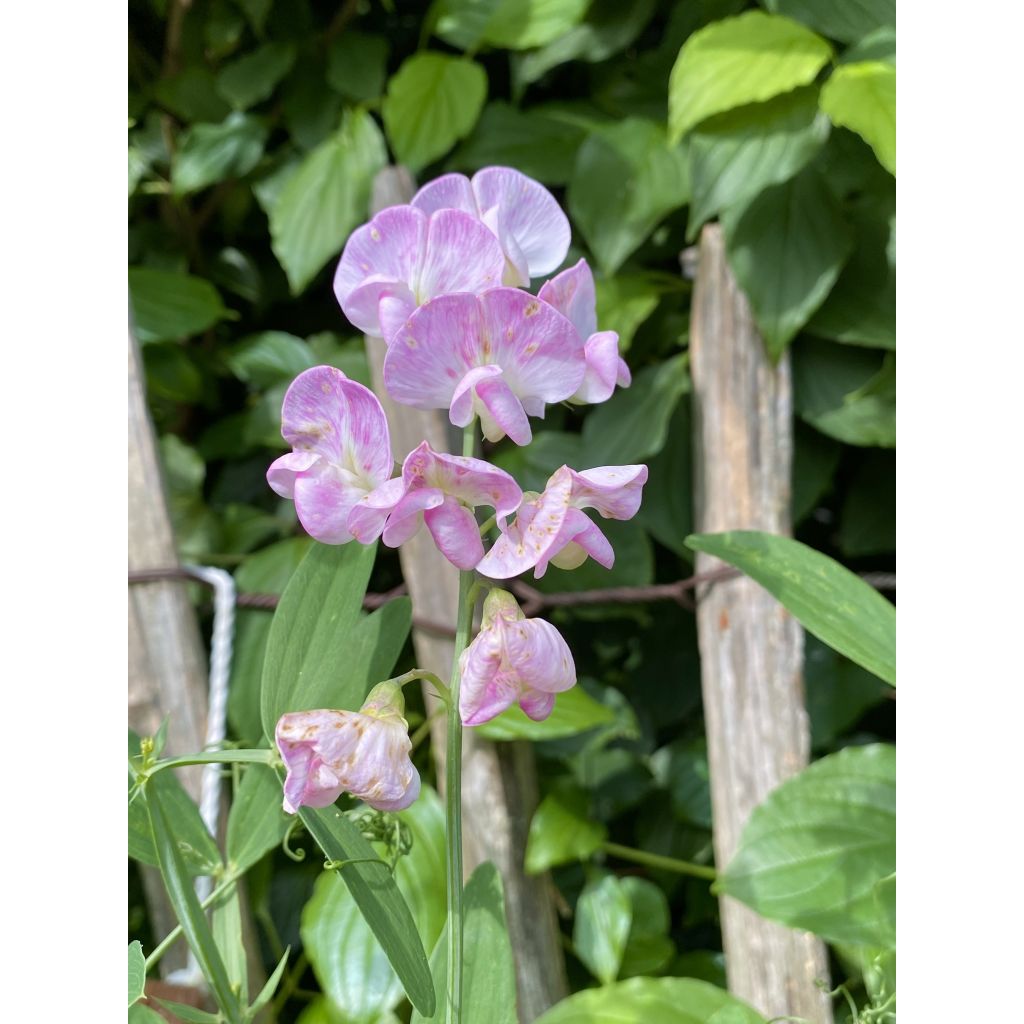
[(512, 658), (404, 257), (365, 753), (522, 214), (341, 450), (502, 355), (439, 490), (572, 293), (550, 527)]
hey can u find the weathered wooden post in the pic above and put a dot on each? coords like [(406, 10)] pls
[(751, 649), (499, 784)]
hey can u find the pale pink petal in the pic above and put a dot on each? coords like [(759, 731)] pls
[(367, 518), (323, 502), (572, 293), (537, 705), (449, 192), (382, 774), (539, 655), (379, 306), (283, 471), (604, 368), (484, 690), (615, 491), (501, 412), (527, 212), (461, 256), (578, 539), (393, 311), (517, 268), (463, 408), (623, 377), (311, 743), (455, 532), (472, 481), (407, 517)]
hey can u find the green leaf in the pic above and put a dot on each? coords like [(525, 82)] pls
[(667, 509), (488, 970), (269, 358), (682, 768), (839, 608), (256, 823), (256, 11), (539, 146), (268, 990), (184, 1012), (603, 918), (523, 24), (326, 198), (212, 152), (812, 855), (142, 1014), (843, 392), (136, 972), (862, 97), (737, 61), (815, 459), (226, 925), (433, 100), (837, 692), (625, 301), (171, 373), (253, 78), (848, 22), (786, 249), (320, 652), (192, 96), (348, 961), (575, 712), (736, 155), (187, 909), (648, 947), (377, 895), (633, 424), (651, 1001), (167, 305), (357, 65), (562, 831), (627, 179)]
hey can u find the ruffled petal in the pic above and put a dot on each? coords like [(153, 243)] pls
[(539, 655), (449, 192), (528, 212), (578, 539), (382, 774), (484, 690), (472, 481), (461, 256), (283, 471), (501, 412), (604, 369), (537, 705), (323, 503), (455, 533), (312, 745), (407, 517), (463, 408), (367, 518), (572, 293), (615, 491)]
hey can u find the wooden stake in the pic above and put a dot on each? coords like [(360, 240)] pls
[(751, 649)]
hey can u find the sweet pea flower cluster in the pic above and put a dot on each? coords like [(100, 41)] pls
[(442, 282)]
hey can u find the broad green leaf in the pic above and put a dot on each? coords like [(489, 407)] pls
[(562, 831), (523, 24), (226, 925), (604, 914), (533, 143), (256, 11), (682, 768), (625, 301), (862, 97), (198, 849), (849, 21), (326, 198), (488, 970), (187, 909), (812, 855), (171, 372), (192, 96), (357, 65), (379, 900), (433, 100), (839, 608), (877, 45), (667, 509), (741, 60), (736, 155), (348, 961), (321, 653), (845, 393), (269, 358), (786, 249), (168, 305), (212, 152), (257, 823), (627, 179), (136, 972), (575, 712), (252, 78), (648, 947), (837, 692), (652, 1001), (633, 424), (142, 1014)]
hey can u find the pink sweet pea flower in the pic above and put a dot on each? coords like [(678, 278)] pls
[(513, 658), (501, 355), (365, 753), (550, 527), (341, 450), (523, 215), (572, 294), (441, 491), (406, 256)]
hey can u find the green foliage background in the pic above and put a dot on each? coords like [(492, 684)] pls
[(256, 128)]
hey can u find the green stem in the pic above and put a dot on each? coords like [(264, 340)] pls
[(421, 673), (260, 756), (655, 860)]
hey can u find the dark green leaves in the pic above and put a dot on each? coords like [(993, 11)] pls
[(167, 305), (252, 78), (740, 60), (849, 21), (829, 601), (357, 65), (326, 198), (211, 152), (820, 852), (787, 249), (269, 358), (433, 101)]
